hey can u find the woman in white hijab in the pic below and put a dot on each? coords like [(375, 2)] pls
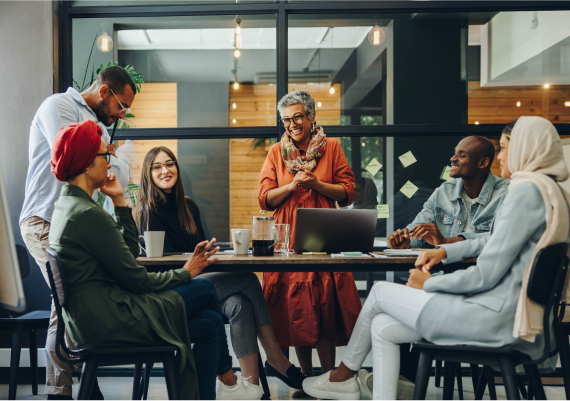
[(484, 305)]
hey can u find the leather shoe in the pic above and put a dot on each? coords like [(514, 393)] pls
[(294, 378)]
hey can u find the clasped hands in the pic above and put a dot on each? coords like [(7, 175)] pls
[(306, 179), (400, 239), (425, 261)]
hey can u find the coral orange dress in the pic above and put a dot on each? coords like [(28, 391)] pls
[(306, 307)]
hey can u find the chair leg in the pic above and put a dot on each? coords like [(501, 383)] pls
[(88, 376), (509, 378), (147, 372), (522, 387), (490, 374), (33, 335), (474, 375), (137, 381), (15, 362), (481, 385), (438, 365), (534, 382), (423, 374), (448, 380), (263, 378), (170, 373), (459, 377), (564, 351)]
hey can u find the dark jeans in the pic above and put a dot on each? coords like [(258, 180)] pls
[(207, 333)]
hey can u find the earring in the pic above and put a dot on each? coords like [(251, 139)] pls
[(314, 127), (87, 171)]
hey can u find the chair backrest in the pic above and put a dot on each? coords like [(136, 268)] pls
[(23, 261), (59, 295), (546, 283)]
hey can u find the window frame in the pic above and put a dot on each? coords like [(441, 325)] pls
[(282, 9)]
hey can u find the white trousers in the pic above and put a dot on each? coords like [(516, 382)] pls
[(388, 318)]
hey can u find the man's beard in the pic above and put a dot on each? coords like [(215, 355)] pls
[(102, 112)]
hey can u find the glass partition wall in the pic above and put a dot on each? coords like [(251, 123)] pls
[(397, 87)]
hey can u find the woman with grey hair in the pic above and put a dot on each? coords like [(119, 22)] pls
[(307, 170)]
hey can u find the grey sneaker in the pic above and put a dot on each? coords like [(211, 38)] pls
[(366, 382), (242, 390), (321, 387)]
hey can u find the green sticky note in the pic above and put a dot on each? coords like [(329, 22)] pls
[(383, 211), (409, 189), (445, 174), (407, 159), (374, 166)]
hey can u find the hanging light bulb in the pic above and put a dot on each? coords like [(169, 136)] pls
[(238, 40), (234, 106), (237, 53), (105, 43), (331, 89), (376, 36), (319, 104), (236, 85), (238, 30)]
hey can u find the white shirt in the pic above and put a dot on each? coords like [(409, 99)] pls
[(42, 188), (467, 201)]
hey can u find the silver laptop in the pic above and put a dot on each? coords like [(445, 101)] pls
[(335, 230)]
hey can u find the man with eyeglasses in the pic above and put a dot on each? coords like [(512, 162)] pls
[(105, 102)]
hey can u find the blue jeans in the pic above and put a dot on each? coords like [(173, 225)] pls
[(207, 333)]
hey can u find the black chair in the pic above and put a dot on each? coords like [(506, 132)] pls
[(564, 349), (140, 385), (546, 283), (30, 322), (93, 358)]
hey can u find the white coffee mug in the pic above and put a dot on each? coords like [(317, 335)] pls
[(154, 241), (240, 238)]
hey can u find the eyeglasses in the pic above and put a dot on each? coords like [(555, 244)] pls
[(124, 110), (107, 156), (298, 119), (159, 166)]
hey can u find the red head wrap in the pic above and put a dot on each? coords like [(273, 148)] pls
[(74, 149)]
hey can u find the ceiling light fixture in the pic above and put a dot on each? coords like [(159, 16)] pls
[(376, 36), (104, 43), (546, 86), (319, 104), (518, 104), (476, 122), (331, 89), (234, 106), (237, 37), (234, 120), (236, 85), (567, 104), (237, 53)]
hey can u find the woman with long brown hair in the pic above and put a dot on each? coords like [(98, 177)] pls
[(162, 206)]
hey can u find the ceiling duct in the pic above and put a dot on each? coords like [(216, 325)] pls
[(300, 77)]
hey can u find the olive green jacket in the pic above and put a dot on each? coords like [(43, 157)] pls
[(113, 302)]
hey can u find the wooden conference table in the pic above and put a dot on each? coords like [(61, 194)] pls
[(300, 263)]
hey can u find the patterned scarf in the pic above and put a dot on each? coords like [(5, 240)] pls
[(292, 156)]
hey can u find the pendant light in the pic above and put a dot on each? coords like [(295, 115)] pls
[(105, 43), (376, 36)]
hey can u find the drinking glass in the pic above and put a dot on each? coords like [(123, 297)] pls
[(282, 244)]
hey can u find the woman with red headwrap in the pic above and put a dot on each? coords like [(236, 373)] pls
[(113, 301)]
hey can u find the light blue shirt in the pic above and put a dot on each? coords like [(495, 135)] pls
[(445, 208), (42, 188)]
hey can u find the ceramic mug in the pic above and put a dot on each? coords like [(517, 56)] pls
[(240, 239), (154, 241)]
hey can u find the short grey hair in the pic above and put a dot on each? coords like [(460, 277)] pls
[(298, 97)]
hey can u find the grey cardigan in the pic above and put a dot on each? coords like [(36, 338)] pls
[(477, 306)]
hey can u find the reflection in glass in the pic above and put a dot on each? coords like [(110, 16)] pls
[(192, 76)]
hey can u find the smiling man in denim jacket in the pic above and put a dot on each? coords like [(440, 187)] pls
[(462, 208)]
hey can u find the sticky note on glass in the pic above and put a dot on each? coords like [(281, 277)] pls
[(409, 189), (383, 211), (407, 159), (374, 166), (445, 174)]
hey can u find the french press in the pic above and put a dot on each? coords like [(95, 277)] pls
[(264, 235)]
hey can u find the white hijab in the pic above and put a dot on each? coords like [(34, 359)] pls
[(535, 155)]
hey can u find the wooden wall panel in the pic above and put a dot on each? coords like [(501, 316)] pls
[(498, 104), (156, 106), (256, 105)]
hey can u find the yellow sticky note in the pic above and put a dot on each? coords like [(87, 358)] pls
[(407, 159), (374, 166), (445, 174), (409, 189), (383, 211)]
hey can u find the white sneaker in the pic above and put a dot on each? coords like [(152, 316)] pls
[(242, 390), (366, 382), (321, 387)]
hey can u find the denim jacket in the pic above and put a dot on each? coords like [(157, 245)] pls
[(445, 208)]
